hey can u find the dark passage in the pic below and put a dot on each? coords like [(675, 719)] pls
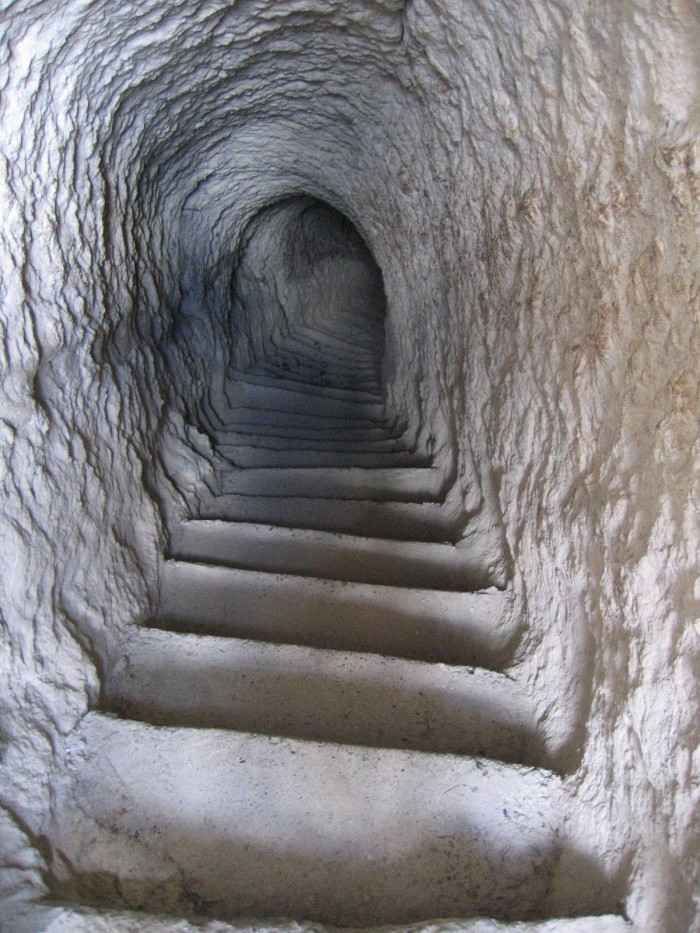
[(309, 302), (304, 429)]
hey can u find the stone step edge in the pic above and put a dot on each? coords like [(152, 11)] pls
[(171, 561), (464, 557), (330, 483), (339, 537), (366, 753), (495, 719), (253, 458), (429, 521), (53, 917), (237, 439), (299, 387), (437, 626)]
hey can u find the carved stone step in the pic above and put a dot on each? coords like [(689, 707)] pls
[(351, 558), (404, 521), (307, 389), (244, 825), (388, 484), (279, 398), (245, 455), (428, 625), (168, 678)]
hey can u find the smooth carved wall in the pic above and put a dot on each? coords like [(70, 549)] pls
[(526, 176)]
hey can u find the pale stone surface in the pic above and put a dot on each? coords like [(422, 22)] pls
[(238, 824), (527, 177), (91, 921)]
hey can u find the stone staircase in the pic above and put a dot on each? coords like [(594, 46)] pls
[(318, 725)]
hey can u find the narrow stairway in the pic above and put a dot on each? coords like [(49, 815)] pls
[(318, 724)]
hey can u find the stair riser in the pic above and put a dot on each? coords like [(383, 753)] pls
[(81, 919), (308, 360), (354, 382), (304, 358), (265, 418), (336, 353), (353, 345), (236, 441)]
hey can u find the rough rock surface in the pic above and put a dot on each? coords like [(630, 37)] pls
[(527, 176)]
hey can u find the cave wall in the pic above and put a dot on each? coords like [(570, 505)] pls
[(527, 177)]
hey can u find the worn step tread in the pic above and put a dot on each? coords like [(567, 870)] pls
[(408, 521), (322, 554), (292, 361), (253, 457), (313, 420), (278, 398), (345, 346), (299, 356), (322, 348), (386, 484), (327, 433), (169, 678), (426, 625), (321, 378), (304, 389), (212, 813), (24, 918), (256, 441)]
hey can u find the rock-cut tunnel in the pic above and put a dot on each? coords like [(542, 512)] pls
[(348, 416), (309, 299)]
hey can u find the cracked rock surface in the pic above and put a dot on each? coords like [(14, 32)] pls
[(526, 176)]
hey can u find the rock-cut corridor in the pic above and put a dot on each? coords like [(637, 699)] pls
[(319, 640), (349, 424)]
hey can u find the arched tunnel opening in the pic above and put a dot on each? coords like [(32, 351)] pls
[(348, 417), (299, 409), (308, 299)]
